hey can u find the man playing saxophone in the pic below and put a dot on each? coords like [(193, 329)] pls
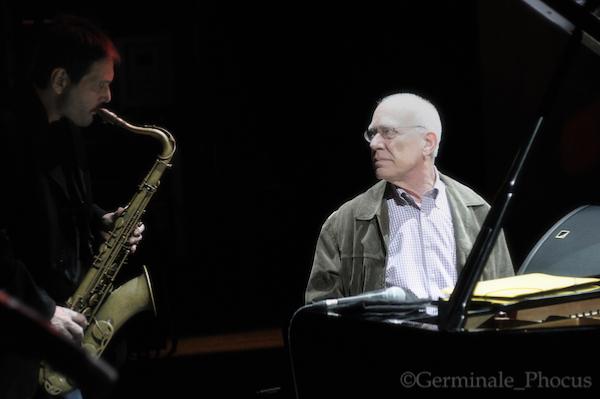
[(49, 221)]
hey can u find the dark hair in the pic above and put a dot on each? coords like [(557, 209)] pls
[(72, 43)]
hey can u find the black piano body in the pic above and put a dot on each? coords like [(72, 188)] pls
[(361, 355)]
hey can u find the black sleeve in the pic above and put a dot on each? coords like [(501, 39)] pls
[(97, 213), (14, 276), (16, 280)]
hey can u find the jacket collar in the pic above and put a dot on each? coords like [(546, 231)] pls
[(58, 145), (455, 189), (371, 203)]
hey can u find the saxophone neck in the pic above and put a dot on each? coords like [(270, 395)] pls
[(161, 134)]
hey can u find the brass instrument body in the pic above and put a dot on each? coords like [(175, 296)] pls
[(105, 307)]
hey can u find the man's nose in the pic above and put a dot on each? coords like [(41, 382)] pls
[(376, 142), (107, 95)]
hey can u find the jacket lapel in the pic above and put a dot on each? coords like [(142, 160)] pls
[(57, 175), (72, 185), (466, 225), (373, 206)]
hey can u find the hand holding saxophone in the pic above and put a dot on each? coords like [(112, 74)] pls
[(69, 323), (108, 222)]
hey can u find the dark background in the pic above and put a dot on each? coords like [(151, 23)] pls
[(268, 105)]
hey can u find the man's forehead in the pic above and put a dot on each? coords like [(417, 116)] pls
[(101, 70), (389, 114)]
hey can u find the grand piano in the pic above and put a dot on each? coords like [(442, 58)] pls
[(535, 345)]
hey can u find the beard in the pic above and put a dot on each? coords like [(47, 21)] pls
[(74, 109)]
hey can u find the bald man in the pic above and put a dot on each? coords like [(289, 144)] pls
[(415, 228)]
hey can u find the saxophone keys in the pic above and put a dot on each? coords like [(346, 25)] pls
[(102, 331), (91, 349), (94, 299)]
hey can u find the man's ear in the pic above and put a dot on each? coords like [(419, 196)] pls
[(59, 80), (431, 141)]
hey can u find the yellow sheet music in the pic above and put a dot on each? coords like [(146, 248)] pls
[(533, 284)]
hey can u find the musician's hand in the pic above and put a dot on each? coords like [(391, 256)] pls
[(136, 236), (69, 323), (108, 222)]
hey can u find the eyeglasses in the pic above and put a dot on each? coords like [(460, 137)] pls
[(389, 132)]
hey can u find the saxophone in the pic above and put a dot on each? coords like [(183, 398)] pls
[(105, 307)]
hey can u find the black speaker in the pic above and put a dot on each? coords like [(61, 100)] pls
[(570, 248)]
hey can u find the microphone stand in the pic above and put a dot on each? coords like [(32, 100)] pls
[(452, 315)]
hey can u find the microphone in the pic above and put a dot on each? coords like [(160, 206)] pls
[(387, 296)]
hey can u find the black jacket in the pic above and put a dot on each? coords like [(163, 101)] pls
[(49, 216), (46, 222)]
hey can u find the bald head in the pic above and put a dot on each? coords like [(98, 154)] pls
[(407, 109)]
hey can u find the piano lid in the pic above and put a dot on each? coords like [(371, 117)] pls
[(579, 19)]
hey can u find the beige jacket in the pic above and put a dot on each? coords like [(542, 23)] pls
[(351, 252)]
